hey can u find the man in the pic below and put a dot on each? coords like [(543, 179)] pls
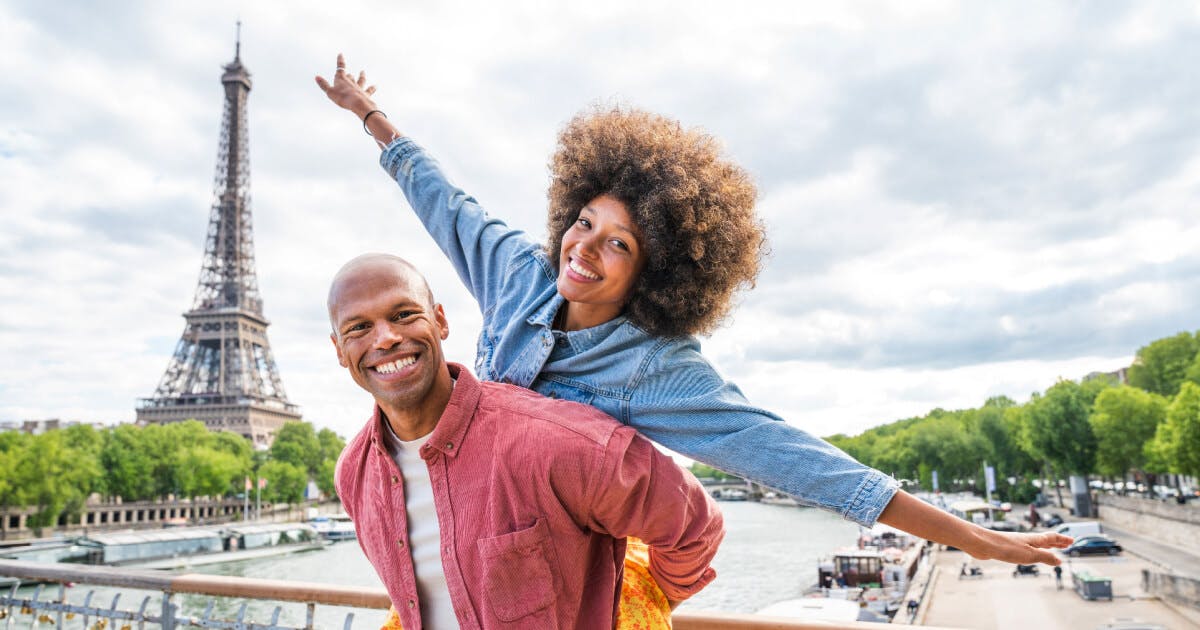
[(483, 505)]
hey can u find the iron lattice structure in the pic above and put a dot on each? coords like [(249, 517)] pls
[(222, 371)]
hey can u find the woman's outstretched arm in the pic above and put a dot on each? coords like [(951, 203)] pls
[(918, 518)]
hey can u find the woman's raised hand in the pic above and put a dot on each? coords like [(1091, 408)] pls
[(347, 91)]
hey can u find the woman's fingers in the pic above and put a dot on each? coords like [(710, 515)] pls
[(370, 90), (362, 78)]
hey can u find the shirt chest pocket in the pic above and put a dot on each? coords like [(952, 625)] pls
[(518, 576)]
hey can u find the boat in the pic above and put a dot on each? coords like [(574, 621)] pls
[(193, 546), (334, 527)]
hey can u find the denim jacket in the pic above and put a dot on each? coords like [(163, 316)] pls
[(663, 387)]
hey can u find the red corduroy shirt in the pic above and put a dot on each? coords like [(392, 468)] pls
[(534, 498)]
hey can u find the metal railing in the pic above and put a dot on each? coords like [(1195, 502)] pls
[(33, 611), (166, 614)]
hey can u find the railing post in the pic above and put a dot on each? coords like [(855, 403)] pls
[(168, 611)]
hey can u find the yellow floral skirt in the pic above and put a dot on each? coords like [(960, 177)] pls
[(643, 605)]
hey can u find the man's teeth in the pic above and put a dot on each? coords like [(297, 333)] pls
[(395, 366), (583, 272)]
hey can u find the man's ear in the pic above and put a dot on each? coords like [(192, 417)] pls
[(341, 357), (439, 316)]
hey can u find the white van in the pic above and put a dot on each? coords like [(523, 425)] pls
[(1080, 529)]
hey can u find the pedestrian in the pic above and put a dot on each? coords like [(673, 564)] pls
[(1058, 577)]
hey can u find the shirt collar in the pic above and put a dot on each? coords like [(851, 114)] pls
[(586, 338), (452, 427)]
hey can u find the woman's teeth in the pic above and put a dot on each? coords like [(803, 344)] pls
[(581, 271)]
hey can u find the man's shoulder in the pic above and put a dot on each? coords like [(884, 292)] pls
[(549, 417)]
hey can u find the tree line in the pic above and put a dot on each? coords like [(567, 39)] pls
[(56, 471), (1141, 429)]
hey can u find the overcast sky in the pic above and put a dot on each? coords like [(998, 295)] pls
[(963, 200)]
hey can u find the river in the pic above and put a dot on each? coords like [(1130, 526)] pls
[(769, 554)]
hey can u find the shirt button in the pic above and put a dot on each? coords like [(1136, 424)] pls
[(449, 446), (412, 604), (395, 479), (400, 543), (547, 341)]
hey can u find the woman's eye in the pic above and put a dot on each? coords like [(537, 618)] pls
[(584, 222), (621, 245)]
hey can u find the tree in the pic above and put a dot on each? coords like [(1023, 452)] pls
[(297, 444), (1057, 429), (1163, 365), (285, 482), (1124, 419), (52, 477), (205, 471), (1178, 438), (128, 467)]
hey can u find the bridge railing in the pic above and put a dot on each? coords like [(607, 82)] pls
[(50, 606)]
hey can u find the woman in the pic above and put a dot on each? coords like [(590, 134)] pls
[(652, 232)]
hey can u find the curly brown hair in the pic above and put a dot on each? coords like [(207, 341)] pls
[(694, 207)]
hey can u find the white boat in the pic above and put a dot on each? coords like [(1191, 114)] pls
[(334, 527), (193, 546)]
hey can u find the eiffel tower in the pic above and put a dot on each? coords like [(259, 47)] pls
[(222, 372)]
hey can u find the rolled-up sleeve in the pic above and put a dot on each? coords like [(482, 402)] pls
[(642, 492)]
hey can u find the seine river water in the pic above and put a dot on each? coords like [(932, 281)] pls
[(769, 554)]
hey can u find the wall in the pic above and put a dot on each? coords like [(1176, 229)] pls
[(1169, 522)]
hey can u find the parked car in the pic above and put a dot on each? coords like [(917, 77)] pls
[(1080, 529), (1093, 545), (1053, 520)]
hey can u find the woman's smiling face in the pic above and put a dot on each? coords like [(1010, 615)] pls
[(599, 262)]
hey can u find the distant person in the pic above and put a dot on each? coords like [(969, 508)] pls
[(1034, 518), (652, 232), (1058, 577), (485, 505)]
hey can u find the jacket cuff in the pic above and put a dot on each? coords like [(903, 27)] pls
[(872, 496), (396, 156)]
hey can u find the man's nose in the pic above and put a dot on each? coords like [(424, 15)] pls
[(387, 335)]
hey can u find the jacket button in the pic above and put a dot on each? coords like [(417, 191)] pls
[(400, 543), (449, 446), (412, 604), (395, 479)]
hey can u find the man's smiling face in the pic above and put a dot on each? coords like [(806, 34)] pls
[(388, 333)]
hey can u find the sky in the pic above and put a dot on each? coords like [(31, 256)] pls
[(963, 200)]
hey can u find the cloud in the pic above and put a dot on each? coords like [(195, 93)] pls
[(963, 201)]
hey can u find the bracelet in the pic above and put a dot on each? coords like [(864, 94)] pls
[(373, 111)]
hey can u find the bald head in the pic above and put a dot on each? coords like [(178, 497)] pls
[(374, 269)]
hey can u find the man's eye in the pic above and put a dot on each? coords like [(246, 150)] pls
[(356, 328), (404, 315)]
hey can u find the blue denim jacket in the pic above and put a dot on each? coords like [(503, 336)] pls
[(663, 387)]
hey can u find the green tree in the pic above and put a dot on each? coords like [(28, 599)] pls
[(128, 468), (205, 471), (1178, 438), (1124, 419), (297, 444), (331, 444), (1163, 365), (53, 477), (285, 481), (1057, 429)]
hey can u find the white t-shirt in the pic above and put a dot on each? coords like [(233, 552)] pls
[(424, 534)]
